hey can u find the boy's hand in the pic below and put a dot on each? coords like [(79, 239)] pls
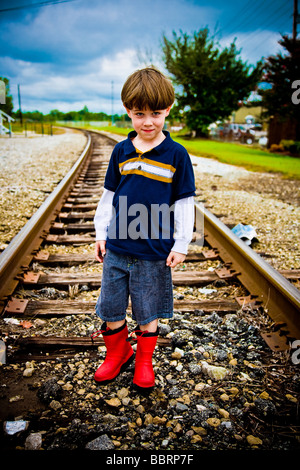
[(175, 258), (100, 250)]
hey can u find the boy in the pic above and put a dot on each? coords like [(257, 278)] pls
[(144, 223)]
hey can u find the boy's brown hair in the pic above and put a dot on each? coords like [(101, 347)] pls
[(147, 88)]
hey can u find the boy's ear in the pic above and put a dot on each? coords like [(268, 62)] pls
[(168, 110), (128, 111)]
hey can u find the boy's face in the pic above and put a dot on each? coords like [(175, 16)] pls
[(148, 124)]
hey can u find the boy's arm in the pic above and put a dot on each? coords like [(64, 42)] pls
[(184, 215), (102, 220)]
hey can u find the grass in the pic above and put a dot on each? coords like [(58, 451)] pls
[(251, 158), (112, 129)]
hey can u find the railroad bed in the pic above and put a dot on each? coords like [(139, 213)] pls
[(226, 374)]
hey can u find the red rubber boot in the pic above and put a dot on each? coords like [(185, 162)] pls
[(119, 354), (143, 374)]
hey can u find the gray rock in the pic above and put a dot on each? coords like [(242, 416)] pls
[(164, 329), (174, 392), (195, 369), (222, 355), (50, 390), (265, 408), (33, 441), (100, 443), (181, 407)]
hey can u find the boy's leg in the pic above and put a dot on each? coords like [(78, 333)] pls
[(115, 324), (111, 308), (151, 298), (150, 327)]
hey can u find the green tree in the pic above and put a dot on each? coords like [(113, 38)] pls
[(84, 114), (210, 81), (8, 106), (55, 115), (34, 116), (281, 72)]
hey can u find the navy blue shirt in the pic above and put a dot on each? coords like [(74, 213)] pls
[(146, 186)]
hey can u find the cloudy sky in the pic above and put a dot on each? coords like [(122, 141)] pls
[(67, 54)]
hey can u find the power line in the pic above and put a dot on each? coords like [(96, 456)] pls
[(263, 23), (244, 18), (39, 4), (256, 14), (270, 21), (254, 38), (238, 16), (257, 44)]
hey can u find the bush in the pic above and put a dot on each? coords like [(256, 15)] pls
[(276, 148), (291, 146)]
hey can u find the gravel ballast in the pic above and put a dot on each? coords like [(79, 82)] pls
[(30, 169)]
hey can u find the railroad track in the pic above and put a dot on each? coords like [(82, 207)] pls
[(52, 253)]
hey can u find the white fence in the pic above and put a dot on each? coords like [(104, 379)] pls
[(3, 129)]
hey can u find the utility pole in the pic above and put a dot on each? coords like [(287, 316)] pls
[(19, 95), (295, 20), (112, 102)]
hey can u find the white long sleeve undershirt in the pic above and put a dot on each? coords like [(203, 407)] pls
[(183, 217)]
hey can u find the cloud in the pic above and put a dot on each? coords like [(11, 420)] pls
[(71, 54), (69, 33), (58, 36), (92, 86), (67, 55), (249, 44)]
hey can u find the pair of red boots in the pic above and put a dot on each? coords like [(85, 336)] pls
[(119, 355)]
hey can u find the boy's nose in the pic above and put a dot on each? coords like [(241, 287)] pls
[(148, 121)]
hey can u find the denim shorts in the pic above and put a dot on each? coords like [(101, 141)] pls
[(147, 283)]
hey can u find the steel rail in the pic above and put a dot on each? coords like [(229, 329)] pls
[(21, 249), (278, 296)]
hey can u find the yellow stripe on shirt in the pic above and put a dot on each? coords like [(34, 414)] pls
[(148, 168)]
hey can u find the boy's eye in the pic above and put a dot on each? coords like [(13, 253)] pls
[(141, 114)]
